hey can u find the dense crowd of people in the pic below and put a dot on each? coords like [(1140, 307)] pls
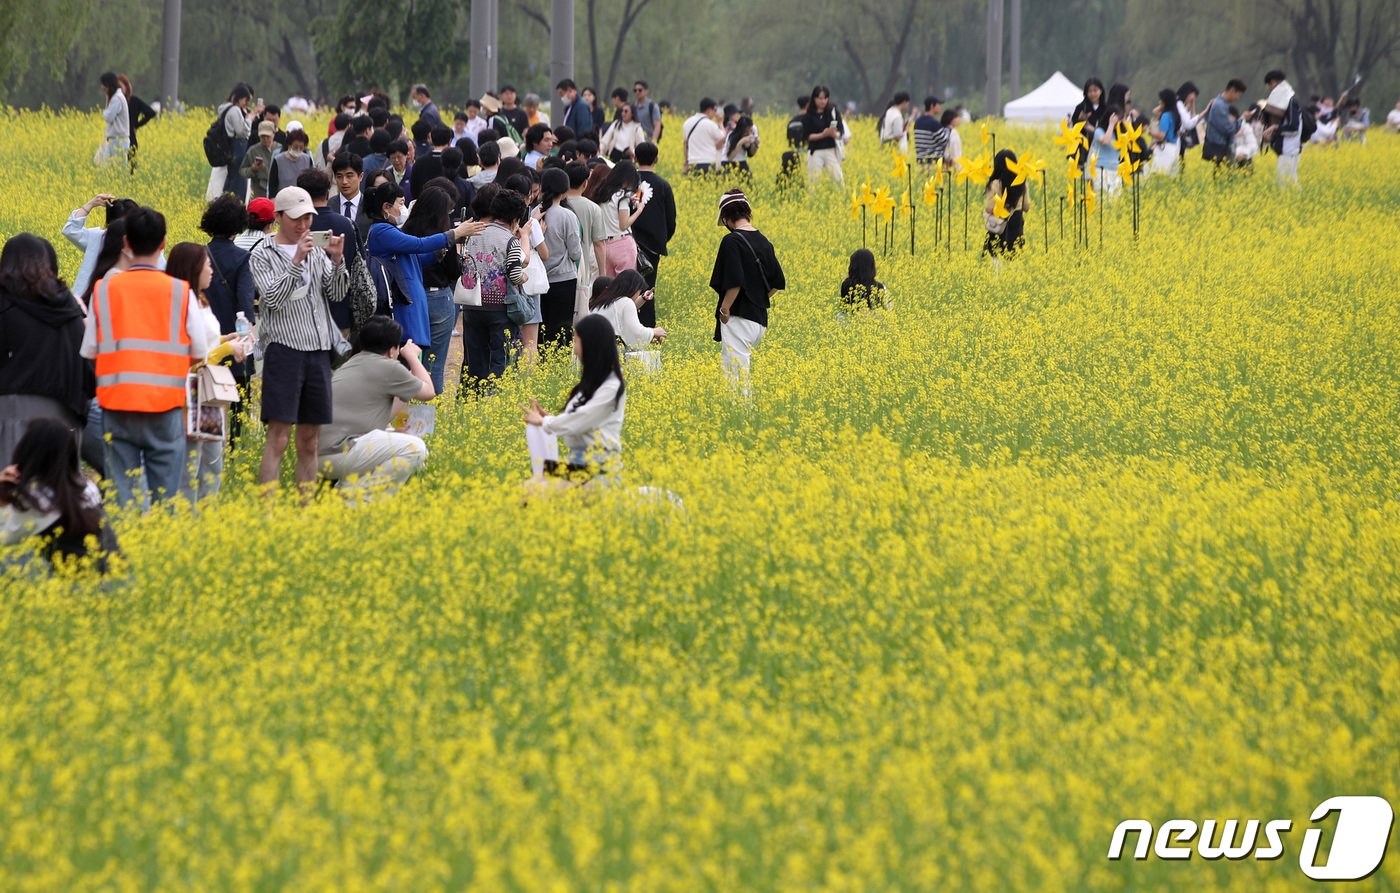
[(338, 269)]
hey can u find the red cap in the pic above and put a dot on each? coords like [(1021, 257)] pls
[(261, 210)]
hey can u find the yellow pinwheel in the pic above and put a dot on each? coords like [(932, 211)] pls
[(867, 197), (986, 135), (901, 162), (1069, 193), (1090, 200), (1034, 167), (931, 192), (999, 206), (1075, 172), (883, 205), (905, 207), (1127, 167), (856, 205), (1127, 136), (978, 169), (1071, 138), (1092, 167)]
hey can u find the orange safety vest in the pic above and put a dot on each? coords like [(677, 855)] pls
[(143, 350)]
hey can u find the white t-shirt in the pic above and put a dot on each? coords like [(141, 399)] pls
[(1393, 118), (612, 225), (291, 252), (538, 281), (892, 126), (703, 142)]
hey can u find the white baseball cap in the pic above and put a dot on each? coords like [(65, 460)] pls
[(294, 202)]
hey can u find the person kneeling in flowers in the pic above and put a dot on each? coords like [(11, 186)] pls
[(366, 392), (591, 421)]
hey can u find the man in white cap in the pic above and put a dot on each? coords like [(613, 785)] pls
[(295, 280)]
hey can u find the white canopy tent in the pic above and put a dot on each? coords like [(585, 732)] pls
[(1051, 101)]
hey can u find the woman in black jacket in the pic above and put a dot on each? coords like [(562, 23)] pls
[(41, 332)]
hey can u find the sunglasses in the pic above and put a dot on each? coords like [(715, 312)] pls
[(638, 89)]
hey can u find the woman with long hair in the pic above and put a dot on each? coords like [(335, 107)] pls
[(1005, 235), (564, 248), (590, 422), (41, 332), (617, 194), (894, 127), (1166, 133), (432, 214), (203, 471), (826, 136), (860, 286), (43, 494), (116, 135), (739, 146), (619, 300), (746, 276), (623, 136), (139, 113)]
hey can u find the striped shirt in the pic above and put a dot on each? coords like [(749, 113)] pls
[(293, 309), (930, 139)]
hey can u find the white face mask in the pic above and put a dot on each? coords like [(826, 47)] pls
[(403, 215), (294, 151), (416, 105)]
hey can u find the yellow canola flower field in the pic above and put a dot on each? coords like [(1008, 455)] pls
[(1087, 535)]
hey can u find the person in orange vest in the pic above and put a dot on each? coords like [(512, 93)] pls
[(145, 331)]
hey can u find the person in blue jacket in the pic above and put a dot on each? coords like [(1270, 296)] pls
[(402, 256)]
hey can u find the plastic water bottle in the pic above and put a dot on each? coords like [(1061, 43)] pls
[(241, 326)]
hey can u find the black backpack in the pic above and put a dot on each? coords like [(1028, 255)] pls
[(216, 143), (1309, 123)]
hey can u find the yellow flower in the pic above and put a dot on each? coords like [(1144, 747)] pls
[(999, 206)]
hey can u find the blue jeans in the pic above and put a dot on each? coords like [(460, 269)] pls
[(442, 316), (484, 343), (149, 443), (237, 147)]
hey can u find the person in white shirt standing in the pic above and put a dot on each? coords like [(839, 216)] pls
[(703, 138), (894, 128)]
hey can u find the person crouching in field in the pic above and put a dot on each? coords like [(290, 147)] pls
[(43, 494), (591, 421), (367, 392), (861, 288)]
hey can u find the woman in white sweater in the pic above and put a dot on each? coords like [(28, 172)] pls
[(623, 136), (116, 137), (619, 303), (590, 424)]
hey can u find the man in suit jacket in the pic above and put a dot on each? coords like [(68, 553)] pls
[(318, 185), (348, 201), (577, 114), (655, 226)]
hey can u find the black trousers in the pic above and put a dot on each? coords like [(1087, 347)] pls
[(557, 314), (646, 314)]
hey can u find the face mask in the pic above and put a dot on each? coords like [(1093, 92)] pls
[(294, 151), (403, 215), (416, 105)]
